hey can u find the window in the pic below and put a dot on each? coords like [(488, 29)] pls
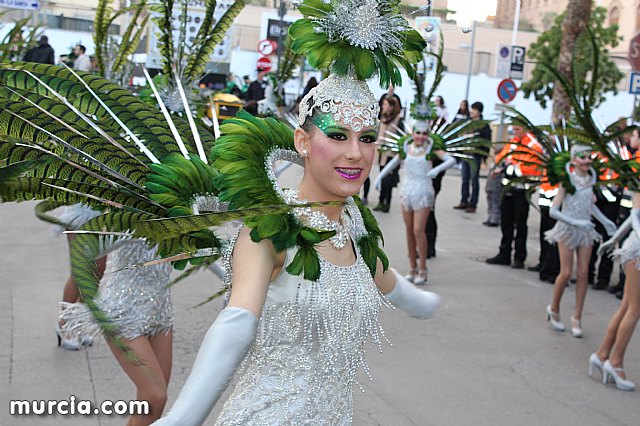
[(614, 16)]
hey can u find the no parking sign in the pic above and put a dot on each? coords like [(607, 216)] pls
[(507, 90)]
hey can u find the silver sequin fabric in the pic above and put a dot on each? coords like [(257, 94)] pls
[(346, 98), (310, 344), (578, 206), (416, 190), (136, 299), (76, 215), (629, 251)]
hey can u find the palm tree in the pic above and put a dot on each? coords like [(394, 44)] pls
[(575, 21)]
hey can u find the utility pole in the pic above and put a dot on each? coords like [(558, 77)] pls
[(470, 67)]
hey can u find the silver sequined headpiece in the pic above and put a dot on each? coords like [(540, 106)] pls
[(346, 98)]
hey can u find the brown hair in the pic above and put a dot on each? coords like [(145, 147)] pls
[(395, 109)]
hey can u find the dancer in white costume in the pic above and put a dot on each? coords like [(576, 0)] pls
[(74, 217), (301, 316), (416, 193), (574, 232), (609, 358)]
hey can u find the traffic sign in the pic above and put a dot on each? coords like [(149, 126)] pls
[(634, 52), (517, 62), (266, 47), (503, 64), (264, 64), (21, 4), (507, 90), (634, 83)]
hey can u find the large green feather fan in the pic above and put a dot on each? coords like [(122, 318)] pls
[(364, 37)]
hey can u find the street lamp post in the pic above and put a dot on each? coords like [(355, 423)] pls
[(470, 66)]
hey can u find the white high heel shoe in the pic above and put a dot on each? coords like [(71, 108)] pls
[(556, 324), (595, 363), (411, 276), (86, 340), (609, 370), (70, 344), (422, 277), (576, 327)]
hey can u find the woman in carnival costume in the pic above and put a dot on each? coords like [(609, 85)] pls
[(416, 151), (417, 195), (71, 219), (609, 358), (302, 314), (575, 232)]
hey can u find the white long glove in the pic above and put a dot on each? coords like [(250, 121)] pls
[(610, 244), (391, 165), (448, 162), (585, 225), (635, 221), (609, 226), (223, 348), (417, 303)]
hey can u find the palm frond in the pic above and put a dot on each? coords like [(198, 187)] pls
[(211, 37)]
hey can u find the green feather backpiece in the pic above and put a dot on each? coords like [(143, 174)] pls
[(364, 37)]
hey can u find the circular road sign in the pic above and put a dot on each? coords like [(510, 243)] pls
[(264, 64), (507, 90), (266, 47)]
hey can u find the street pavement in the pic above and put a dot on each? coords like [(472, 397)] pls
[(488, 357)]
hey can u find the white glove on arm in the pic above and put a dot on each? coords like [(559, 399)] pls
[(223, 348), (608, 245), (417, 303), (447, 163), (585, 225), (635, 221), (609, 226), (391, 165)]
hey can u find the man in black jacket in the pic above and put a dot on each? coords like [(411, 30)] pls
[(255, 92), (42, 53), (471, 171)]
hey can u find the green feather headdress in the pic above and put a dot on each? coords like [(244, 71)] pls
[(364, 37), (354, 41)]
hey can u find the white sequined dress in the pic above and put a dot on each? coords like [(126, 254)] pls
[(137, 300), (629, 251), (310, 344), (416, 190), (578, 206)]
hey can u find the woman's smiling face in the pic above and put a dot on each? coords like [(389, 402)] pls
[(337, 159)]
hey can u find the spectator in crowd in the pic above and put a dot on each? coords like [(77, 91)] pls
[(42, 53), (463, 112), (441, 111), (471, 170), (257, 88), (82, 61), (311, 83), (390, 119), (246, 81)]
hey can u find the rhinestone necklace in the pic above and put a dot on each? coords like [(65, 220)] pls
[(318, 220)]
